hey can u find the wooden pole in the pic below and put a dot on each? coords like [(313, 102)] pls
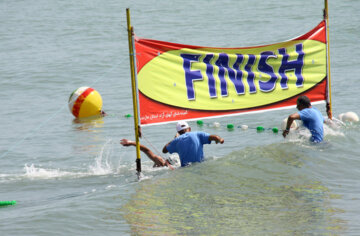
[(134, 91)]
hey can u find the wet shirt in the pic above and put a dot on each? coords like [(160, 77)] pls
[(313, 120), (189, 146)]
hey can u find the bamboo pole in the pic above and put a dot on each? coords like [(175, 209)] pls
[(134, 91)]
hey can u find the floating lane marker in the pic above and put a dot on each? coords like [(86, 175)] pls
[(216, 124), (230, 126), (260, 128), (7, 203), (275, 130), (244, 127)]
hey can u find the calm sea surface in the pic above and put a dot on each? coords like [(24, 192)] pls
[(72, 178)]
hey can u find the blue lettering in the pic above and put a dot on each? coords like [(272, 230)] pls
[(223, 62), (209, 74), (191, 75), (251, 75), (235, 73), (237, 81), (265, 68), (296, 65)]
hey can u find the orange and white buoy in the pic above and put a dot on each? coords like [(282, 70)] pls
[(85, 102)]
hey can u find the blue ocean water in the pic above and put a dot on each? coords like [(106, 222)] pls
[(73, 178)]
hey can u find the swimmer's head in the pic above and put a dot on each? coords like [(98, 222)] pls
[(303, 102)]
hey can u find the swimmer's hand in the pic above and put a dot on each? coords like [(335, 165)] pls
[(126, 142), (216, 138), (285, 132), (220, 141)]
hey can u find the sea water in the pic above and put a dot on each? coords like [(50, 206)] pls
[(74, 178)]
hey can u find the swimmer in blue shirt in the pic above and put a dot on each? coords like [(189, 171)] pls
[(189, 145), (311, 118)]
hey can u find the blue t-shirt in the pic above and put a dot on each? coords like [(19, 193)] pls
[(189, 146), (313, 120)]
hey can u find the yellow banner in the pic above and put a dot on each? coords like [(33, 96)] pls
[(231, 79)]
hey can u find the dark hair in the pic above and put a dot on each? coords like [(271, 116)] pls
[(303, 100), (182, 131)]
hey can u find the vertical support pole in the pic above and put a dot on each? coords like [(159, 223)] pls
[(328, 95), (134, 91)]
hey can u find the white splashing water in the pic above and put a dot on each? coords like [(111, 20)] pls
[(41, 173), (302, 134), (102, 164)]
